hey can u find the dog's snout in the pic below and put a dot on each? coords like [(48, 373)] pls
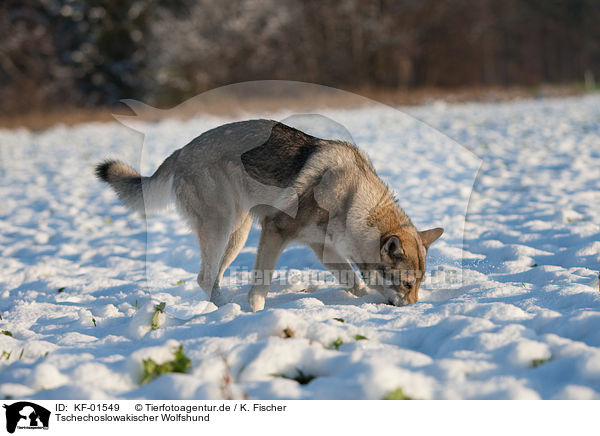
[(402, 300)]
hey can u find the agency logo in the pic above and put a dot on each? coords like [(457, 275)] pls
[(26, 415)]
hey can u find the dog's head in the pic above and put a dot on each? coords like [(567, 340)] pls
[(401, 269)]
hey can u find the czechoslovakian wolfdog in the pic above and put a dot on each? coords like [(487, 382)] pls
[(321, 193)]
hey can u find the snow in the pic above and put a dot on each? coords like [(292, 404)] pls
[(510, 311)]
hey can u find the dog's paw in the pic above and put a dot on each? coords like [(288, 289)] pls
[(359, 292), (217, 298), (257, 301)]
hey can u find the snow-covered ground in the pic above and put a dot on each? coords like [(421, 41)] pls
[(80, 275)]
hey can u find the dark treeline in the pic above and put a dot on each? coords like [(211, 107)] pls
[(92, 52)]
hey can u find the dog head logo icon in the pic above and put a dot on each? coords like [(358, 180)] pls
[(26, 415)]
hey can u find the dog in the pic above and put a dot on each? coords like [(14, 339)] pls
[(322, 193)]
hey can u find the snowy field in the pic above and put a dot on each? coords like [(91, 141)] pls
[(81, 276)]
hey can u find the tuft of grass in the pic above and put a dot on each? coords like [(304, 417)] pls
[(94, 321), (288, 333), (60, 290), (21, 355), (534, 265), (598, 285), (301, 290), (180, 282), (397, 394), (158, 308), (5, 355), (108, 220), (360, 338), (7, 333), (300, 377), (537, 362), (150, 369), (336, 344), (339, 319)]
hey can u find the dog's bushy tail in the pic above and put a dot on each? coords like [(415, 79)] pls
[(140, 194)]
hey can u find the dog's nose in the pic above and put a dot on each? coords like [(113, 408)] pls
[(398, 302)]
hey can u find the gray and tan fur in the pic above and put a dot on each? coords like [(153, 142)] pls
[(322, 193)]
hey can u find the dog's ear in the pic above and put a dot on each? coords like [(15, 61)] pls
[(392, 247), (428, 237)]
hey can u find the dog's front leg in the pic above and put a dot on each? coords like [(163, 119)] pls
[(270, 246), (340, 268)]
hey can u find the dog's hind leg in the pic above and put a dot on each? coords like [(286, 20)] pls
[(213, 238), (236, 243)]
